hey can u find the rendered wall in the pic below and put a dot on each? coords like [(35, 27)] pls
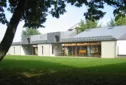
[(47, 50), (14, 50), (26, 50), (108, 49), (121, 48), (9, 51), (50, 50), (20, 50), (57, 49)]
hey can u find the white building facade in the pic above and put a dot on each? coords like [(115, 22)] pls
[(112, 43), (42, 45)]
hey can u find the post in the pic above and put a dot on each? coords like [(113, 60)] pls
[(76, 50), (72, 50), (88, 50)]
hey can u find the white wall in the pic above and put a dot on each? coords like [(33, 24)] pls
[(57, 49), (121, 48), (15, 50), (20, 50), (108, 49), (47, 50), (26, 50), (9, 51)]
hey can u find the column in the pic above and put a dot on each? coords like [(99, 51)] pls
[(89, 50)]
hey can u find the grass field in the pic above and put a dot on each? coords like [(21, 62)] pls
[(33, 70)]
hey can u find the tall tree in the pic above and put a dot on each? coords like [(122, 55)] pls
[(86, 25), (30, 31), (34, 13)]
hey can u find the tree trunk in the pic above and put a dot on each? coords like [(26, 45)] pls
[(11, 29)]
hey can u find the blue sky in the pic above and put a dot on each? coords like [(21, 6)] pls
[(69, 19)]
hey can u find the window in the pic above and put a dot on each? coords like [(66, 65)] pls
[(57, 38), (28, 39), (52, 49), (42, 50)]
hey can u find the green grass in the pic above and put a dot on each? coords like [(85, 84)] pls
[(33, 70)]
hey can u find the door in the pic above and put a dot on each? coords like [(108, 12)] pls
[(35, 50)]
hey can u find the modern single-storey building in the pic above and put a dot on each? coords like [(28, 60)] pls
[(43, 45), (107, 42)]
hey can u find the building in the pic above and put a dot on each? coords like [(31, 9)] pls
[(108, 42), (43, 45)]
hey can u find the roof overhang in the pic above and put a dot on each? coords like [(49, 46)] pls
[(16, 43), (89, 39), (39, 42)]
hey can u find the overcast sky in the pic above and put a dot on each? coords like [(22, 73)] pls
[(69, 19)]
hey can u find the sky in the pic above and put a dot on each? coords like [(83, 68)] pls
[(66, 21)]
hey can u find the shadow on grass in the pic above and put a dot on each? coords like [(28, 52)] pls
[(38, 72)]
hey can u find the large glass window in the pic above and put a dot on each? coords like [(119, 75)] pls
[(84, 49)]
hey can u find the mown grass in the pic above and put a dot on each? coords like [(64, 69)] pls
[(34, 70)]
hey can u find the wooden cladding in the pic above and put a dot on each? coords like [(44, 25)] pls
[(82, 44)]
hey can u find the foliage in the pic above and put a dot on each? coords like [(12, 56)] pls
[(37, 10), (30, 31), (118, 22), (86, 25), (121, 21)]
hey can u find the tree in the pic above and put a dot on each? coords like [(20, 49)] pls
[(30, 31), (34, 13), (86, 25), (111, 23), (118, 22), (121, 21)]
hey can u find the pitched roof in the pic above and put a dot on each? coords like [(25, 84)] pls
[(100, 34)]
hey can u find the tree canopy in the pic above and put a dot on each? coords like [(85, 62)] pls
[(30, 31), (86, 25), (118, 22), (34, 12), (121, 21)]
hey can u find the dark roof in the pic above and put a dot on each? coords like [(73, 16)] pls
[(39, 42), (94, 34), (88, 39), (17, 43), (100, 34)]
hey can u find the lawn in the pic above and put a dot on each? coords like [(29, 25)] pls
[(33, 70)]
